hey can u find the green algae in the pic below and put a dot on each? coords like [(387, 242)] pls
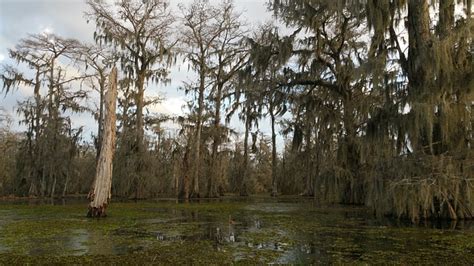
[(256, 230)]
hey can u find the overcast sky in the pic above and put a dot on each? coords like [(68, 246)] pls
[(66, 18)]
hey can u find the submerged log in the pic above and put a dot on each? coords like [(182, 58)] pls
[(100, 193)]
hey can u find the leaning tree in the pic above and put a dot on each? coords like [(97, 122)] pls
[(101, 191), (140, 34)]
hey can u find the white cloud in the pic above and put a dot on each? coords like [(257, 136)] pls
[(66, 18), (169, 106)]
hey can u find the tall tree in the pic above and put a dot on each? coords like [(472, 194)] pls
[(212, 40), (230, 56), (97, 59), (264, 73), (9, 144), (331, 59), (250, 114), (434, 83), (140, 33), (101, 193), (198, 37), (48, 131)]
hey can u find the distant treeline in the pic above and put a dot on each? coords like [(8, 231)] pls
[(375, 100)]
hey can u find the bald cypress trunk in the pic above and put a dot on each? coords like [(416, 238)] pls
[(197, 149), (274, 154), (100, 193), (309, 186), (183, 184), (100, 123), (140, 105), (215, 170), (140, 136), (245, 171), (419, 41), (418, 48), (197, 141)]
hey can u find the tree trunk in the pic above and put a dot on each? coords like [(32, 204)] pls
[(36, 152), (418, 45), (211, 185), (53, 187), (175, 178), (100, 122), (354, 191), (32, 191), (140, 133), (274, 154), (140, 105), (43, 183), (446, 18), (309, 189), (65, 185), (197, 143), (419, 64), (100, 193), (183, 186), (444, 28), (243, 180)]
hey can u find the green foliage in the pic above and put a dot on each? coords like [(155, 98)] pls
[(287, 230), (9, 144), (374, 98), (390, 130)]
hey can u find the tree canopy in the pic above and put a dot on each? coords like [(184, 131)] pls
[(374, 101)]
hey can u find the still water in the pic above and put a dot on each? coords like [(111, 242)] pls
[(253, 230)]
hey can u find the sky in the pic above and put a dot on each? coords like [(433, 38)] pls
[(18, 18)]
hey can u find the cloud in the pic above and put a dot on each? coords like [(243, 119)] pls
[(66, 18), (169, 106)]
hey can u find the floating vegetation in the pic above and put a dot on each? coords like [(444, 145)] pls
[(258, 230)]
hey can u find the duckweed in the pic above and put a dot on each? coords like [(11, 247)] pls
[(230, 230)]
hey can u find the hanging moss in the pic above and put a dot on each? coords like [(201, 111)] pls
[(429, 187)]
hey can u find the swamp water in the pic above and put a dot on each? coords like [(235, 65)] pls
[(254, 230)]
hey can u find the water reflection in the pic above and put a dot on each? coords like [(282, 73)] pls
[(292, 230), (78, 242)]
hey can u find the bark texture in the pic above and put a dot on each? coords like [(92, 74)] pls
[(100, 193)]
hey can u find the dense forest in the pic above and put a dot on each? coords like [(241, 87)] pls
[(375, 101)]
